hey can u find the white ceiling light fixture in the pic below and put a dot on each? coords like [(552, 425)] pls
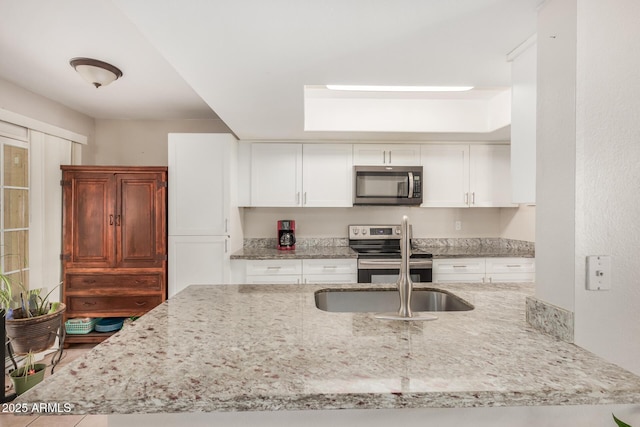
[(98, 73), (373, 88)]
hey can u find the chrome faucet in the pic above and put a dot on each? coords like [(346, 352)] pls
[(404, 283)]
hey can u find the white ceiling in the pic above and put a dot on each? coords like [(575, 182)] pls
[(248, 60)]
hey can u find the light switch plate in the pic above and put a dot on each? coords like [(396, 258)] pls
[(598, 273)]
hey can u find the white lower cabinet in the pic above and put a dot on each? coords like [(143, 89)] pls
[(197, 260), (483, 270), (329, 271), (279, 271)]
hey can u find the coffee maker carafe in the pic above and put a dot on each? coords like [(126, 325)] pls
[(286, 235)]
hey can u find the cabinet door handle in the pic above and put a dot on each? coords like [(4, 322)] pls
[(384, 157), (305, 198), (110, 219), (226, 225), (473, 198), (298, 198), (118, 220), (466, 198), (389, 156), (225, 246)]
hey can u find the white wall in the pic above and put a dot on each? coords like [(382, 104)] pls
[(608, 176), (555, 160), (333, 222), (518, 224), (588, 175), (21, 101), (141, 142)]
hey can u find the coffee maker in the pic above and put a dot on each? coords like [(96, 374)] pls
[(286, 235)]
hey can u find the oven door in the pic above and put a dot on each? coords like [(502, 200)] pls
[(388, 270)]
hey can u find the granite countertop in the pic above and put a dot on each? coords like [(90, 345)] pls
[(304, 252), (474, 252), (243, 348)]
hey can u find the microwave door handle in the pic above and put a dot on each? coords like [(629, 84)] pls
[(410, 185)]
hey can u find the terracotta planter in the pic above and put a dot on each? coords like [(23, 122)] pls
[(34, 334), (22, 383)]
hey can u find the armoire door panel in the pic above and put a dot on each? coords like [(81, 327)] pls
[(93, 219), (136, 220)]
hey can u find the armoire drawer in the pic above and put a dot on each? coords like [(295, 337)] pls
[(129, 303), (86, 282)]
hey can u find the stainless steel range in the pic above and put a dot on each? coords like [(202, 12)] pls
[(379, 260)]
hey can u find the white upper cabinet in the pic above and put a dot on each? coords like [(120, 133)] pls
[(276, 174), (445, 181), (457, 175), (327, 175), (199, 180), (490, 176), (386, 154), (310, 175)]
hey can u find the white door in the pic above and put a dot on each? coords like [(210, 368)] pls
[(445, 181), (276, 174), (198, 190), (490, 176), (327, 175), (197, 260)]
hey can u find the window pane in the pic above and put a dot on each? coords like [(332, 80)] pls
[(16, 250), (16, 208), (16, 166), (16, 279)]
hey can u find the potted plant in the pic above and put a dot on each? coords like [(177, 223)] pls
[(34, 326), (28, 375)]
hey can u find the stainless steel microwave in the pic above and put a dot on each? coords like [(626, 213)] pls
[(387, 185)]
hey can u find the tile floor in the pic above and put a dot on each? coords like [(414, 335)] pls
[(8, 420)]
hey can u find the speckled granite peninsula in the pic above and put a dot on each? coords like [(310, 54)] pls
[(268, 348)]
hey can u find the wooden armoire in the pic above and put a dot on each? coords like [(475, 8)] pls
[(114, 242)]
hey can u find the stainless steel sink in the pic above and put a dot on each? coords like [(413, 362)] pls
[(387, 300)]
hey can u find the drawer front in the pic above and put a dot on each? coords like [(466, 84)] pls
[(510, 265), (86, 282), (273, 279), (329, 266), (130, 304), (274, 267), (458, 265), (511, 277), (330, 278), (458, 278)]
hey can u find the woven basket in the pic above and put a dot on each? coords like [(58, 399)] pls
[(34, 333)]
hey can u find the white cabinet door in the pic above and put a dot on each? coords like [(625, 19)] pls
[(327, 171), (198, 183), (276, 174), (445, 181), (490, 176), (197, 260), (510, 270), (386, 154)]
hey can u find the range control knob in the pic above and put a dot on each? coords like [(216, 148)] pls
[(356, 231), (398, 231), (364, 231)]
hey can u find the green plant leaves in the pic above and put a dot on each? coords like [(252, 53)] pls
[(620, 423)]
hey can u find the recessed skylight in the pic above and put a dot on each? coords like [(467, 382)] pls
[(374, 88)]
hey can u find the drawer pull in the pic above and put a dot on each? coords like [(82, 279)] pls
[(332, 267), (459, 266), (141, 303), (514, 265), (89, 280), (273, 268), (89, 303)]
